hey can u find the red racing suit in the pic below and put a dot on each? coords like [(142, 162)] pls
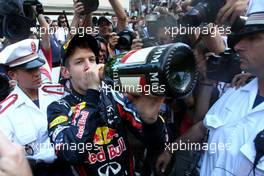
[(90, 132)]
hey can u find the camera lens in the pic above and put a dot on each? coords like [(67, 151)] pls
[(125, 40)]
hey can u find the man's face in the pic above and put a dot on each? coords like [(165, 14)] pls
[(102, 53), (114, 20), (54, 25), (79, 62), (105, 28), (250, 49), (63, 22), (27, 79), (163, 38), (133, 20)]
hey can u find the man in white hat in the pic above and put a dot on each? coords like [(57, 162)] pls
[(23, 113), (235, 122)]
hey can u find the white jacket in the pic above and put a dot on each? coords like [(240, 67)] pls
[(26, 124), (233, 126)]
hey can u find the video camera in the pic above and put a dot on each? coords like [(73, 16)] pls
[(202, 11), (17, 18), (125, 40), (223, 67)]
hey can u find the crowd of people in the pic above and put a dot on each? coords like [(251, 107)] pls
[(60, 116)]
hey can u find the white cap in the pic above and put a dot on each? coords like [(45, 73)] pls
[(255, 6), (255, 13), (23, 53)]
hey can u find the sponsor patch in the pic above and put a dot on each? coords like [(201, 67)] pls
[(58, 120), (81, 123), (104, 135)]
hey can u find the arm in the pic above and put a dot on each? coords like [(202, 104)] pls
[(195, 134), (204, 94), (87, 21), (45, 36), (68, 127), (78, 8), (120, 13), (44, 26), (44, 33)]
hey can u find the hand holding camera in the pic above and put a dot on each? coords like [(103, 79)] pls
[(37, 8), (78, 8), (87, 6), (231, 10)]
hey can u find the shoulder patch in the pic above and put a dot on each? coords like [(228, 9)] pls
[(7, 102), (53, 89), (58, 120)]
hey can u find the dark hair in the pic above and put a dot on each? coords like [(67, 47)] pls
[(61, 16), (94, 21), (102, 40), (82, 44), (47, 18)]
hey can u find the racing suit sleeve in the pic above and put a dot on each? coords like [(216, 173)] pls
[(153, 136), (72, 127)]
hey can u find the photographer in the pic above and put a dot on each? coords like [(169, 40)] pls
[(62, 32), (236, 118), (114, 41)]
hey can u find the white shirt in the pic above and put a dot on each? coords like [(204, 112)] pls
[(26, 124), (233, 124), (61, 34)]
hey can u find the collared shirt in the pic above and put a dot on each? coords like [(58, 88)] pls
[(26, 124), (61, 34), (233, 125)]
